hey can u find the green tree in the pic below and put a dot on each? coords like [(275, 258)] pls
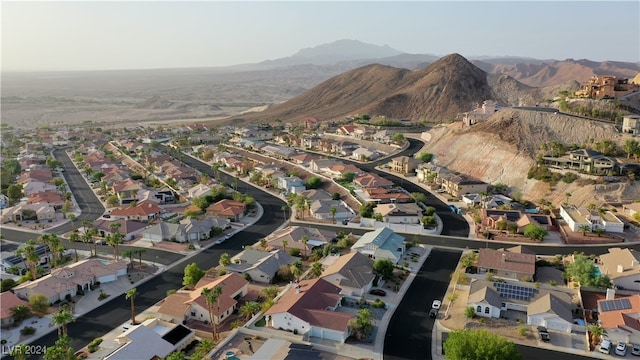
[(192, 274), (599, 231), (361, 325), (470, 312), (596, 332), (469, 259), (39, 303), (201, 202), (113, 200), (7, 284), (14, 192), (62, 350), (314, 183), (316, 269), (248, 309), (20, 313), (383, 267), (398, 138), (21, 352), (176, 355), (271, 292), (225, 260), (61, 319), (424, 157), (131, 295), (584, 228), (304, 241), (348, 176), (202, 349), (479, 345), (419, 197), (296, 269), (584, 271), (535, 232)]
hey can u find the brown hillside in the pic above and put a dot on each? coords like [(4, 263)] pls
[(438, 92)]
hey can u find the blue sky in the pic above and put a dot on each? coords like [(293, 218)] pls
[(52, 35)]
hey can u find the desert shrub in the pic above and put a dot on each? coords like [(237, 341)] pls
[(27, 330), (94, 345), (470, 312), (569, 177), (294, 252), (378, 304)]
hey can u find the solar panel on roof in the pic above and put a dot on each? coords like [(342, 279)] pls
[(615, 304)]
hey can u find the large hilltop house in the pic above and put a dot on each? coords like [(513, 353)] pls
[(606, 87), (488, 108), (631, 124), (585, 160)]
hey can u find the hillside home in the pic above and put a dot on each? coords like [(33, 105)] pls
[(631, 209), (606, 87), (192, 305), (486, 201), (310, 308), (585, 160), (458, 185), (261, 266), (620, 317), (516, 263), (404, 164), (631, 124), (70, 279), (576, 218), (382, 243), (352, 273), (8, 301), (622, 266), (153, 339), (488, 108), (493, 218), (408, 213)]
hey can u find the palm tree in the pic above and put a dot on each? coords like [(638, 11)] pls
[(131, 294), (596, 332), (129, 254), (114, 227), (284, 210), (32, 257), (263, 243), (567, 195), (248, 309), (584, 229), (284, 244), (599, 231), (62, 318), (304, 241), (225, 260), (54, 246), (333, 212), (20, 313), (271, 292), (139, 252), (296, 269), (212, 296), (72, 218), (316, 269), (115, 240), (44, 240), (73, 239)]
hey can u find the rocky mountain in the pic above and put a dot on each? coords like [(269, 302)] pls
[(543, 73), (437, 92)]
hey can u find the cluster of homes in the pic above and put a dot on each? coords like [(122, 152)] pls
[(506, 295)]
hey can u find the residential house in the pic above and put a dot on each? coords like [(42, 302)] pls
[(188, 229), (606, 87), (153, 339), (344, 148), (382, 243), (346, 130), (16, 260), (198, 191), (33, 174), (546, 306), (631, 124), (326, 145), (292, 236), (310, 142), (371, 180), (585, 160), (493, 218), (127, 190), (384, 136), (129, 228), (337, 170), (321, 165), (352, 273), (292, 184), (408, 213), (458, 185), (516, 263), (304, 159), (404, 164), (261, 266), (227, 209), (384, 196), (311, 123), (8, 301), (322, 210), (73, 278), (622, 266), (309, 308), (490, 201), (192, 305), (364, 154), (316, 194), (143, 211), (576, 218), (631, 209), (620, 317), (48, 197), (488, 108), (35, 186), (40, 211)]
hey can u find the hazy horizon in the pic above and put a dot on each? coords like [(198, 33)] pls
[(90, 36)]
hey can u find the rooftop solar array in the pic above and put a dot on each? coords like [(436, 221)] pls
[(510, 291), (615, 304)]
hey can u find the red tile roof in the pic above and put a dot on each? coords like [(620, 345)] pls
[(144, 208), (226, 207), (508, 261), (8, 301), (629, 318)]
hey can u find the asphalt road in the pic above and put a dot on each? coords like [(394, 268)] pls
[(409, 332)]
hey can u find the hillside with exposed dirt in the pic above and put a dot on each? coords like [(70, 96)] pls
[(503, 148)]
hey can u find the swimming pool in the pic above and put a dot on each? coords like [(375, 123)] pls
[(597, 272)]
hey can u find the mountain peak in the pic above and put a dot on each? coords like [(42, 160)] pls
[(346, 49)]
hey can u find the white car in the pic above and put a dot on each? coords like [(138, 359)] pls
[(436, 304), (621, 349), (220, 241)]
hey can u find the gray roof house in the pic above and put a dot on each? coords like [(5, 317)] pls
[(321, 209), (262, 266), (353, 273), (186, 230), (382, 243)]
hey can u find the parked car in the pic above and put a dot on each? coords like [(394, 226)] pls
[(378, 292), (543, 333), (635, 350), (441, 191), (621, 349), (436, 304), (605, 346), (220, 241), (433, 313)]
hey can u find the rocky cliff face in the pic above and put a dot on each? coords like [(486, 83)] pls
[(503, 148)]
